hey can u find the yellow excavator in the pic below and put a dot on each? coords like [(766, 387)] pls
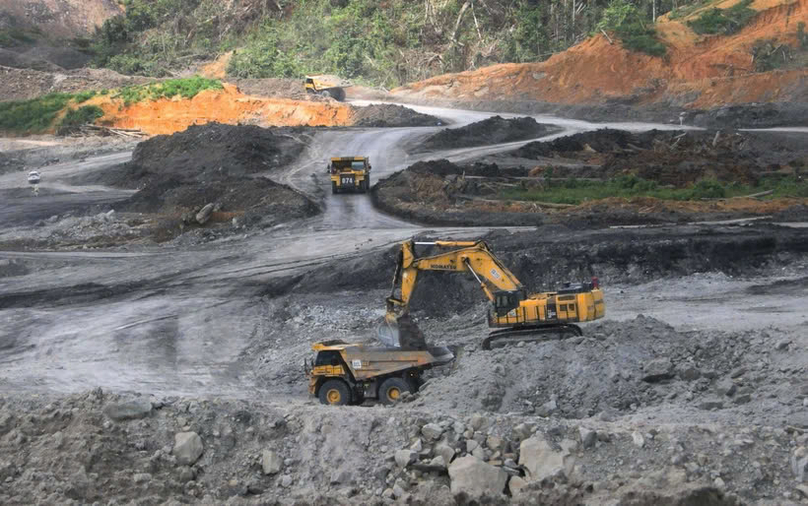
[(517, 314)]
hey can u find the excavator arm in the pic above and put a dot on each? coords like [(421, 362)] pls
[(469, 256), (498, 283)]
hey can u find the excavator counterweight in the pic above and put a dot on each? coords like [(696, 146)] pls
[(517, 314)]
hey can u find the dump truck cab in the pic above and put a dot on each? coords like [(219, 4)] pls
[(328, 86), (349, 173), (347, 374)]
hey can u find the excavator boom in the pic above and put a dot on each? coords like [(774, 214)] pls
[(513, 310)]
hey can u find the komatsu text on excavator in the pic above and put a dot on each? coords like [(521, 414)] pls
[(517, 314)]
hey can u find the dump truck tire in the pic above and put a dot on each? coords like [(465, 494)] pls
[(333, 187), (338, 94), (335, 393), (391, 389), (325, 94)]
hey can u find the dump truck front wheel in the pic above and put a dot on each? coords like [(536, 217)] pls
[(335, 393), (391, 389), (333, 187)]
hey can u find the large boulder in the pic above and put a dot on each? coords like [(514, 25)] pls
[(657, 370), (540, 459), (128, 410), (187, 447), (271, 462), (475, 478)]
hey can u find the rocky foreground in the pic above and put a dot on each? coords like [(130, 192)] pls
[(92, 447)]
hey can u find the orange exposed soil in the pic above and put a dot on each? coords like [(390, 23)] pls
[(699, 71), (217, 69), (166, 116)]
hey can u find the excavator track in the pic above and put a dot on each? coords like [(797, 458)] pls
[(508, 337)]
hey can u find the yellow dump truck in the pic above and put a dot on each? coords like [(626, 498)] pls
[(343, 373), (326, 86), (349, 173)]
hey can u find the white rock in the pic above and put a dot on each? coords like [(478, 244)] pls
[(539, 458), (588, 437), (187, 447), (432, 431), (476, 478), (445, 451), (638, 439), (438, 462), (515, 485), (129, 410), (405, 457), (204, 214), (271, 462)]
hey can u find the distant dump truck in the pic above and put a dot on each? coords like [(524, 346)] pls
[(326, 86), (344, 373), (350, 173)]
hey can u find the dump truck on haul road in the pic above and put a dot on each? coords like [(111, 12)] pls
[(349, 173), (343, 373), (326, 86)]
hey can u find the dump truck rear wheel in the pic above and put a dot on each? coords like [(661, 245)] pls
[(335, 393), (325, 94), (392, 388)]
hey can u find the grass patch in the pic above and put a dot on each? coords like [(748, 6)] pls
[(32, 116), (575, 191), (77, 117), (186, 88), (84, 96), (723, 21)]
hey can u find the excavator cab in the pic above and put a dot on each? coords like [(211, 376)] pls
[(507, 301)]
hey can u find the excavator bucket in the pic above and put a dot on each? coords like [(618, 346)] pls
[(401, 332)]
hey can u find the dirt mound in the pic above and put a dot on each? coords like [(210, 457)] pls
[(669, 157), (389, 115), (285, 88), (63, 57), (221, 165), (202, 153), (427, 192), (23, 61), (493, 130), (611, 369)]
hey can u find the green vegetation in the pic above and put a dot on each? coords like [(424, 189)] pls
[(381, 43), (84, 96), (723, 21), (575, 191), (186, 88), (626, 21), (32, 116), (769, 54), (77, 117)]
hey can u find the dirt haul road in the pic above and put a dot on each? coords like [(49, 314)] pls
[(231, 320)]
